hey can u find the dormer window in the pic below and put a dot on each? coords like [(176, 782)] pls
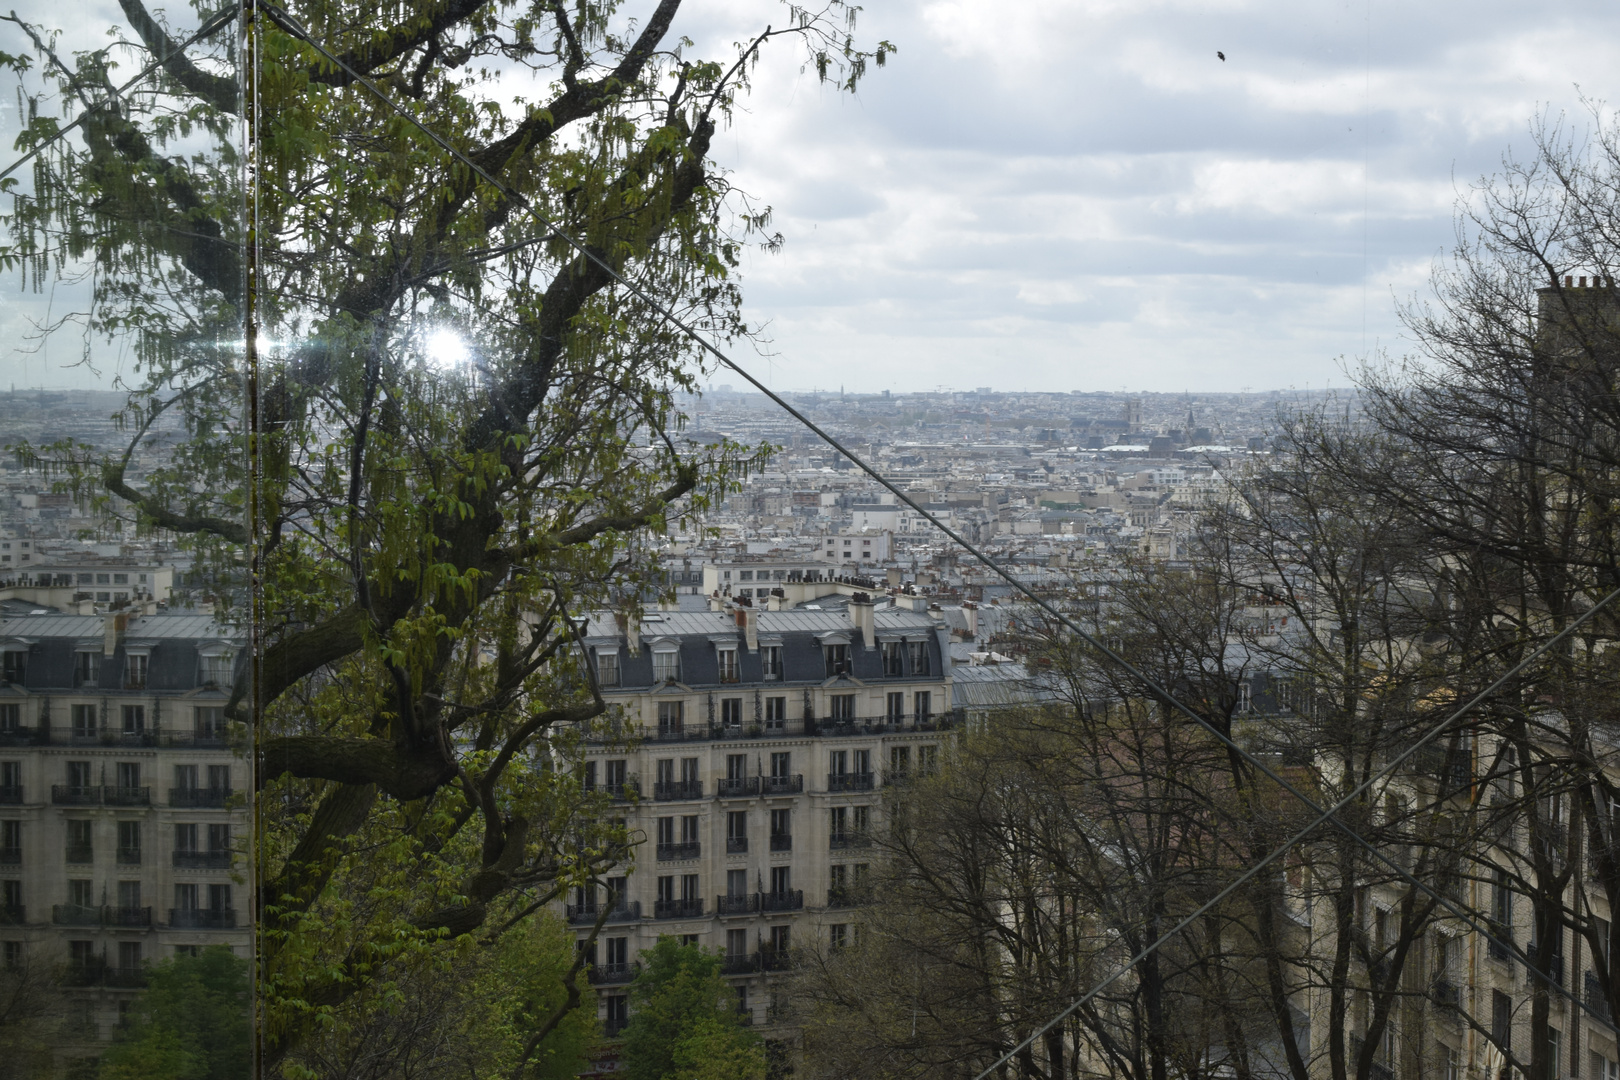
[(770, 659), (135, 671), (728, 663), (14, 665), (893, 651), (214, 667), (918, 657), (607, 668), (666, 665), (87, 667), (837, 655)]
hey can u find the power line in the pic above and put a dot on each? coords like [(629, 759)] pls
[(1154, 689), (209, 26), (285, 21)]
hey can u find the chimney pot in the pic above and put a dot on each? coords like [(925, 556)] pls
[(1569, 281), (1583, 281)]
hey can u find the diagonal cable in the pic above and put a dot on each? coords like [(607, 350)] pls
[(1159, 693), (209, 26)]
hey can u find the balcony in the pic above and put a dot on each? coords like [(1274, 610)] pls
[(850, 781), (782, 785), (625, 792), (11, 794), (1553, 964), (585, 915), (842, 896), (627, 912), (613, 974), (13, 915), (792, 900), (75, 915), (678, 909), (746, 964), (844, 840), (666, 790), (736, 845), (202, 918), (689, 849), (122, 978), (84, 974), (129, 856), (203, 860), (74, 795), (775, 959), (1445, 994), (24, 736), (1596, 999), (738, 787), (614, 1026), (199, 798), (11, 856), (127, 916), (1501, 940), (781, 842), (80, 853), (747, 904)]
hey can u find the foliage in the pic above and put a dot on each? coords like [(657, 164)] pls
[(191, 1022), (685, 1024), (426, 428)]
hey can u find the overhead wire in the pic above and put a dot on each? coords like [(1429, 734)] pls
[(1326, 815)]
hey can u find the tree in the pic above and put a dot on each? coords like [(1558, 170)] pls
[(191, 1022), (685, 1024), (429, 429)]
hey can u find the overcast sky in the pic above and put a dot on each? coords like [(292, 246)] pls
[(1082, 195), (1079, 194)]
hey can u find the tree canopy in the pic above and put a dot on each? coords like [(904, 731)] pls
[(686, 1025)]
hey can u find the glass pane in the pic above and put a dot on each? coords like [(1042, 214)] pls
[(123, 593)]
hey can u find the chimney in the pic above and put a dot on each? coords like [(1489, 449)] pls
[(970, 612), (112, 630), (751, 628), (631, 629), (862, 615)]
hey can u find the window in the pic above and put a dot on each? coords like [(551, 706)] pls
[(1245, 702), (129, 841), (618, 951), (134, 719), (613, 775), (618, 1013), (689, 770), (689, 887), (899, 761), (666, 666), (737, 884), (736, 943), (11, 776), (837, 762), (219, 838), (78, 774), (837, 935), (843, 706), (1555, 1054), (781, 823), (770, 660), (689, 939), (15, 666), (10, 718), (862, 762), (219, 897), (214, 667), (927, 760), (607, 668), (129, 775), (728, 664), (135, 671), (86, 579), (861, 816), (781, 879), (11, 836), (731, 712), (103, 579), (14, 955), (185, 777), (893, 654), (11, 897), (120, 579), (665, 770), (689, 829), (185, 838), (837, 658), (1501, 1020), (80, 847), (781, 939), (666, 831), (219, 777), (775, 713), (129, 894), (671, 717), (81, 893), (838, 820), (208, 722), (782, 764), (924, 705), (737, 827), (917, 654), (896, 707)]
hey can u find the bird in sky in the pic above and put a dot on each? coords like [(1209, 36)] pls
[(1221, 55)]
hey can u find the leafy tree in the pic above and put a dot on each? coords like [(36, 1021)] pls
[(456, 426), (191, 1022), (685, 1025)]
